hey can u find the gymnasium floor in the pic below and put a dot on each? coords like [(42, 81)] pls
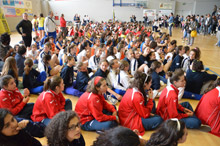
[(210, 56)]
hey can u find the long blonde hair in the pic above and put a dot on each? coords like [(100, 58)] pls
[(10, 63)]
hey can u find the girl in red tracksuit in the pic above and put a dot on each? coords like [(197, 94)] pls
[(11, 98), (168, 106), (208, 109), (51, 101), (94, 112), (136, 110)]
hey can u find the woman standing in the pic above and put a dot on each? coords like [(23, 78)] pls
[(63, 27), (41, 25)]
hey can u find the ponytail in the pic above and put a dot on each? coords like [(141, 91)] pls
[(52, 83), (139, 80), (47, 84), (176, 75), (154, 66)]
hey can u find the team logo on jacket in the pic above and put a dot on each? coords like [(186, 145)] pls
[(4, 99), (51, 101), (141, 102)]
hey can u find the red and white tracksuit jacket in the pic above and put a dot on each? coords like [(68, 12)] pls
[(208, 110), (12, 100), (90, 106), (48, 104), (132, 109), (168, 105)]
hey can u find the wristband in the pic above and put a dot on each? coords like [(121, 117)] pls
[(116, 118)]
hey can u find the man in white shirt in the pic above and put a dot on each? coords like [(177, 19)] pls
[(50, 26)]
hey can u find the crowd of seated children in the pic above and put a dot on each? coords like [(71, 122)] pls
[(112, 42)]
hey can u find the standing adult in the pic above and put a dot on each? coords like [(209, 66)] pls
[(145, 19), (41, 25), (208, 24), (35, 25), (214, 10), (77, 20), (192, 27), (50, 26), (171, 20), (63, 27), (26, 33)]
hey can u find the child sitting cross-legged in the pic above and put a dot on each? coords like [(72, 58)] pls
[(32, 79), (67, 74)]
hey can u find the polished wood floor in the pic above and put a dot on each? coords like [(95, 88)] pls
[(210, 56)]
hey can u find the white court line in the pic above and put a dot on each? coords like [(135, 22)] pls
[(212, 67)]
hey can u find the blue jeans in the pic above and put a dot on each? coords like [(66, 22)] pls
[(197, 29), (68, 106), (191, 122), (35, 129), (41, 78), (209, 29), (95, 125), (191, 95), (170, 29), (151, 122), (218, 43), (185, 34)]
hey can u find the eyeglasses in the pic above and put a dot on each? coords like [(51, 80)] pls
[(73, 127)]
